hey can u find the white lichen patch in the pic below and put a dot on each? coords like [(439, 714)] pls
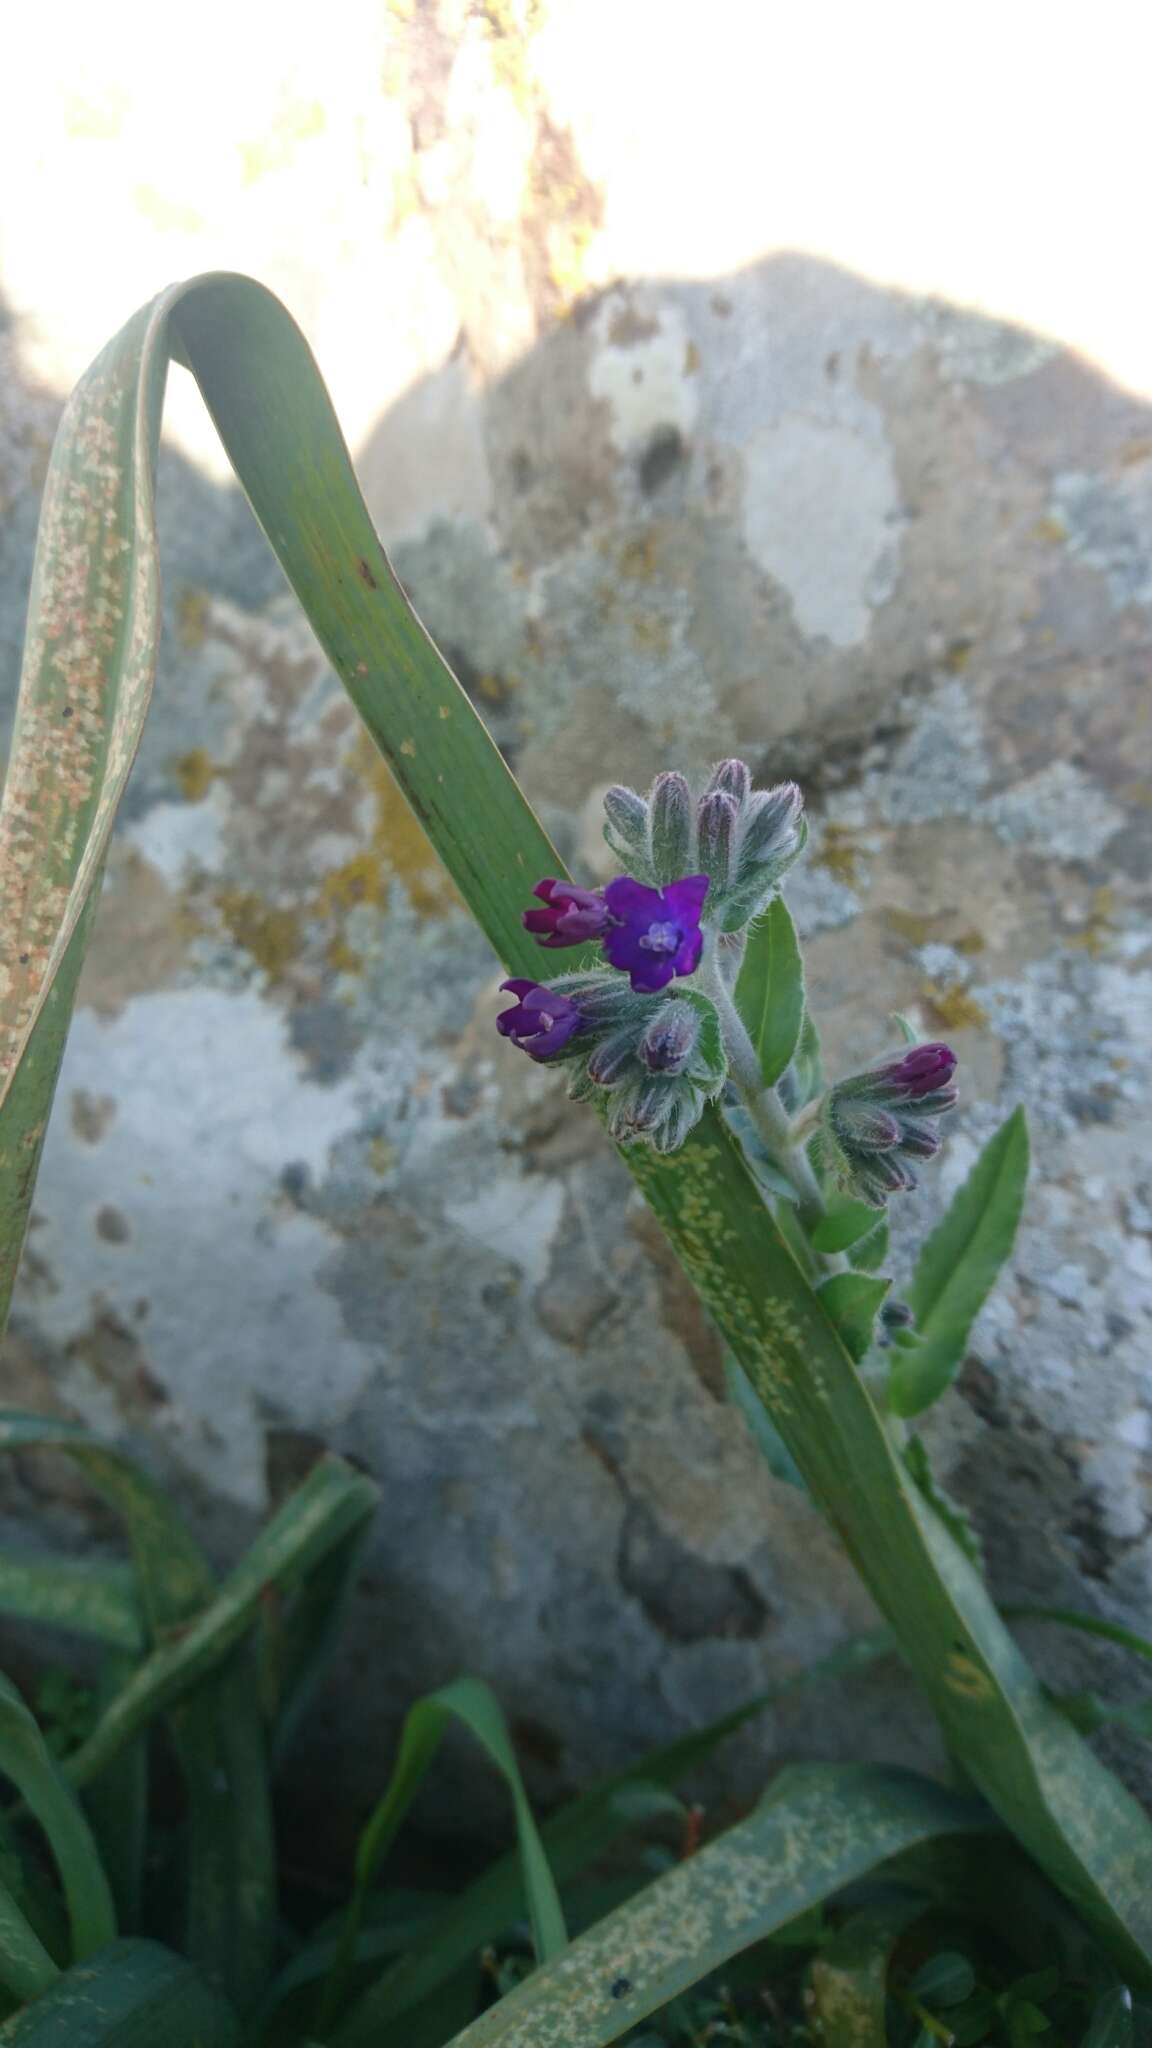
[(1060, 811), (211, 1272), (822, 516), (1107, 522), (642, 371)]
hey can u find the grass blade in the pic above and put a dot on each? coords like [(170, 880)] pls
[(26, 1759), (117, 1804), (71, 1593), (574, 1838), (331, 1500), (829, 1827), (26, 1968), (474, 1706)]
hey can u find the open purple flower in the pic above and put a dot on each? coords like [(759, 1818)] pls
[(655, 933), (572, 916), (541, 1020)]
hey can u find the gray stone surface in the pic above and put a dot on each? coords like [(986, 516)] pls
[(295, 1190)]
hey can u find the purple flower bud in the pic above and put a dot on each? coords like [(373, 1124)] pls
[(609, 1060), (541, 1021), (922, 1071), (868, 1137), (669, 1040), (573, 916), (772, 822), (717, 827), (656, 932), (733, 777)]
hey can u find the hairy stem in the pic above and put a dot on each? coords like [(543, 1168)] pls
[(768, 1114)]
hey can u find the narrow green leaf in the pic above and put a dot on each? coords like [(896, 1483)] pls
[(320, 1513), (230, 1903), (133, 1994), (832, 1827), (1088, 1624), (26, 1759), (117, 1802), (575, 1837), (770, 990), (955, 1518), (26, 1968), (471, 1703), (63, 1592), (806, 1073), (853, 1301), (959, 1266), (1111, 2023), (849, 1976), (310, 1630), (767, 1437), (946, 1978)]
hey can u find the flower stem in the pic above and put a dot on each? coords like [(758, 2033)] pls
[(768, 1114)]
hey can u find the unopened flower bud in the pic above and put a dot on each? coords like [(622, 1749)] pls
[(874, 1124), (610, 1059), (671, 824), (626, 828), (717, 826), (669, 1039), (734, 777)]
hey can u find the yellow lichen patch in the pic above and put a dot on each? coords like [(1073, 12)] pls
[(970, 941), (840, 855), (691, 359), (912, 925), (298, 121), (272, 936), (195, 772), (341, 957), (954, 1009), (1050, 531), (958, 656), (1100, 930), (192, 608), (170, 215), (965, 1677), (639, 558), (381, 1156), (399, 849)]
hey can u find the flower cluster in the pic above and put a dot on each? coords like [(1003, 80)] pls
[(653, 1063), (873, 1125), (744, 839), (653, 1056)]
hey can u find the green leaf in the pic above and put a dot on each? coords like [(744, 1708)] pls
[(575, 1837), (767, 1437), (849, 1976), (230, 1903), (133, 1994), (1088, 1624), (844, 1223), (63, 1592), (27, 1761), (98, 543), (870, 1252), (770, 990), (947, 1978), (853, 1301), (806, 1073), (476, 1708), (26, 1968), (832, 1826), (956, 1519), (959, 1267), (117, 1802), (332, 1500), (1111, 2023)]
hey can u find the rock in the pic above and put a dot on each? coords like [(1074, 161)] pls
[(297, 1192)]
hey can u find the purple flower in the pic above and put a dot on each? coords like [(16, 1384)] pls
[(655, 932), (573, 916), (541, 1021)]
